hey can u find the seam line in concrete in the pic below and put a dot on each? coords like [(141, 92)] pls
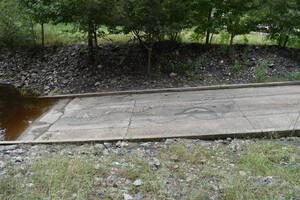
[(63, 112), (239, 109), (130, 120)]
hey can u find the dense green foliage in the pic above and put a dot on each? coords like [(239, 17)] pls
[(15, 28), (151, 21)]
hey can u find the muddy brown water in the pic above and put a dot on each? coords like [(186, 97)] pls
[(17, 111)]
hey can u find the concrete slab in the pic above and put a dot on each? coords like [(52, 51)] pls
[(221, 113)]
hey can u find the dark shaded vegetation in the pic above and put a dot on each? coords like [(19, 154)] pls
[(150, 21)]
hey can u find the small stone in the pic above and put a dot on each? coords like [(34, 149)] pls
[(121, 144), (127, 197), (18, 159), (242, 173), (139, 195), (30, 185), (99, 66), (215, 188), (138, 182), (156, 162), (107, 144), (2, 164), (97, 166), (173, 75), (174, 158), (190, 178), (115, 164), (98, 179), (105, 152), (169, 141), (97, 83), (145, 144), (118, 144)]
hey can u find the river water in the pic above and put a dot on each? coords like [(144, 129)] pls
[(17, 111)]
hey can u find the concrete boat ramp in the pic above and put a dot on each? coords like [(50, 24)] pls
[(218, 113)]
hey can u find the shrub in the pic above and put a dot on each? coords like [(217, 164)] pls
[(261, 72), (15, 29)]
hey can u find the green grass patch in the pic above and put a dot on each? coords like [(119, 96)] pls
[(56, 177), (67, 35)]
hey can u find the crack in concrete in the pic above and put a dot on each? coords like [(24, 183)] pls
[(297, 119), (130, 120), (231, 97), (62, 110)]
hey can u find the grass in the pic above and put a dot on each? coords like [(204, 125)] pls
[(62, 34), (293, 76), (261, 169), (66, 35), (237, 68), (51, 177), (266, 160)]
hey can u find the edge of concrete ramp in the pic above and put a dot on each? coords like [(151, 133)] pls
[(267, 135), (166, 90)]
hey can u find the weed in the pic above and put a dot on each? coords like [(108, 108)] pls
[(57, 177), (261, 73), (293, 76), (28, 93), (237, 68), (272, 171)]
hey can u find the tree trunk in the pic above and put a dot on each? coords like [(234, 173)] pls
[(90, 43), (95, 36), (285, 41), (149, 49), (43, 34), (32, 33), (231, 39), (208, 26), (211, 38)]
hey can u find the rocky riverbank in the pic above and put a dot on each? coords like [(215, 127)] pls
[(61, 70)]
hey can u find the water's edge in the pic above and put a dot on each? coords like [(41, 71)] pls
[(17, 111)]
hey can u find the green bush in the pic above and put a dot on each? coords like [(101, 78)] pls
[(15, 29), (261, 72)]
